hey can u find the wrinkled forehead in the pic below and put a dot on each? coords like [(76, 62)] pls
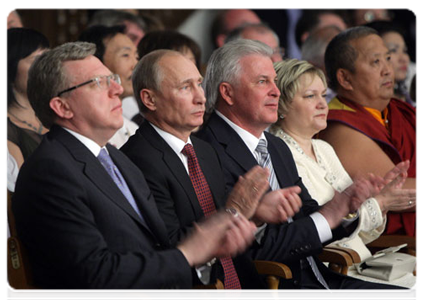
[(85, 69), (369, 46)]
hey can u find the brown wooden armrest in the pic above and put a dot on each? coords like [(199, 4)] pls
[(205, 290), (339, 261), (273, 268)]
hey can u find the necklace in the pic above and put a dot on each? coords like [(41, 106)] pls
[(37, 130)]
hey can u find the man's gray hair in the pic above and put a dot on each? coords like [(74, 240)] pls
[(47, 77), (224, 66), (148, 75), (314, 47), (260, 28)]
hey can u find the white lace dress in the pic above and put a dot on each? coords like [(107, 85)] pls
[(321, 178)]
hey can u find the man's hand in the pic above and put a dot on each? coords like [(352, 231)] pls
[(222, 234), (277, 206), (248, 191)]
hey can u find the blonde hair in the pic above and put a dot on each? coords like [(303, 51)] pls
[(289, 73)]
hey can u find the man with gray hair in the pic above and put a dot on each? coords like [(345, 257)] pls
[(83, 211), (259, 32), (240, 84)]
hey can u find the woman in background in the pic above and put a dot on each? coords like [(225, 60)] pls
[(24, 130)]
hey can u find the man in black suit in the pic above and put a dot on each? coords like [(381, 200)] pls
[(168, 90), (92, 222), (240, 86)]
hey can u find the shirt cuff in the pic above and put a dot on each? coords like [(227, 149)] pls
[(322, 226)]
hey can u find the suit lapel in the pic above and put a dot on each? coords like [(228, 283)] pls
[(174, 165), (96, 172), (232, 143)]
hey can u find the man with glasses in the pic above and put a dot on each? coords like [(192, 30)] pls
[(83, 211), (119, 54)]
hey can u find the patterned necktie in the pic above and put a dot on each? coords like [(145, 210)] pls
[(117, 177), (265, 161), (205, 199)]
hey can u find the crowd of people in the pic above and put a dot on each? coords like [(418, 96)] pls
[(134, 165)]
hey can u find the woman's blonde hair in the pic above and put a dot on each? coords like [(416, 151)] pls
[(288, 80)]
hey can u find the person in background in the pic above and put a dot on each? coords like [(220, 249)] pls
[(314, 47), (116, 51), (14, 20), (24, 129), (415, 90), (363, 16), (314, 19), (228, 20), (393, 37), (302, 114), (83, 211), (135, 27), (370, 130), (259, 32)]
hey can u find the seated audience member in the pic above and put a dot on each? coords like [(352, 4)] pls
[(314, 47), (14, 20), (393, 37), (370, 131), (259, 32), (302, 114), (363, 16), (228, 20), (116, 51), (314, 19), (24, 129), (415, 90), (240, 84), (168, 86), (167, 39), (135, 27), (83, 211)]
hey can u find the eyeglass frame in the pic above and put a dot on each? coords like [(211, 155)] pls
[(114, 77)]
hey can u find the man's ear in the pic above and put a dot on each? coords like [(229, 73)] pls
[(226, 92), (344, 79), (61, 107), (148, 99)]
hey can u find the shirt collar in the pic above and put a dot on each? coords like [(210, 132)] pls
[(89, 143), (250, 140), (175, 143)]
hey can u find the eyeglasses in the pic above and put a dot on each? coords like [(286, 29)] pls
[(103, 82)]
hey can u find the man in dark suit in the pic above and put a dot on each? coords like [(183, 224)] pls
[(92, 222), (173, 104), (240, 86)]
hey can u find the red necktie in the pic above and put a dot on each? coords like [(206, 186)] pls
[(205, 198)]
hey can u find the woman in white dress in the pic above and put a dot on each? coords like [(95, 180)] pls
[(303, 111)]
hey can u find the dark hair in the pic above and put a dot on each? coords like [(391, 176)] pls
[(171, 40), (218, 26), (21, 42), (383, 27), (341, 55), (113, 17), (309, 20), (97, 34)]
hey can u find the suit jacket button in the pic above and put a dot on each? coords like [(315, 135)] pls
[(296, 282)]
